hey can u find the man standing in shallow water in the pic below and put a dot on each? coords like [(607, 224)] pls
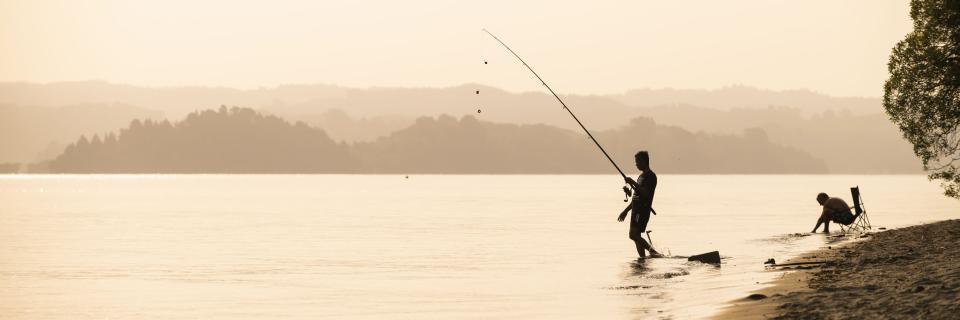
[(642, 203)]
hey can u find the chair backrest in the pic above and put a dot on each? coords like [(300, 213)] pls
[(855, 192)]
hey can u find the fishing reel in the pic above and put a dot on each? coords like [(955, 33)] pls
[(627, 192)]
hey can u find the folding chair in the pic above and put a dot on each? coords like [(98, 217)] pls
[(860, 223)]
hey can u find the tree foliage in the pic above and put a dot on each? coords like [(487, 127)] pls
[(922, 95)]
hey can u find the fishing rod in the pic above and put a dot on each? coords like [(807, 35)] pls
[(561, 102), (625, 190)]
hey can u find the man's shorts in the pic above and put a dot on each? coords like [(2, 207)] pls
[(637, 228), (842, 217)]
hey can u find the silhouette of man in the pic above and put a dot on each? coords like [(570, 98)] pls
[(642, 203), (834, 209)]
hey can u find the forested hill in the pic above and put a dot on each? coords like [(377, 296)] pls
[(240, 140), (448, 145), (851, 135), (235, 140)]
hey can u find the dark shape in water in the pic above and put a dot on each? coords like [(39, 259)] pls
[(709, 257), (757, 296), (478, 110), (478, 91), (484, 62), (797, 264), (629, 287)]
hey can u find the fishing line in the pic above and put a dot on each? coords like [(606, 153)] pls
[(626, 191)]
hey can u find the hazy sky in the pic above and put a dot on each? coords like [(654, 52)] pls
[(829, 46)]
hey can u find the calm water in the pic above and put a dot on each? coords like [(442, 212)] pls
[(364, 246)]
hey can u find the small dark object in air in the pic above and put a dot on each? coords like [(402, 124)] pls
[(757, 296), (709, 257), (770, 261), (478, 110), (406, 177), (478, 91), (484, 62)]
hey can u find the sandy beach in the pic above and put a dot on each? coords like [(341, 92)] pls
[(913, 272)]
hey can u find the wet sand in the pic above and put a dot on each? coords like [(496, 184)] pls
[(913, 272)]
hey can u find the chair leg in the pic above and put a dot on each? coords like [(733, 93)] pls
[(861, 224)]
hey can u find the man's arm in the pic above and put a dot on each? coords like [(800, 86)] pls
[(824, 218), (623, 215), (629, 181), (819, 221)]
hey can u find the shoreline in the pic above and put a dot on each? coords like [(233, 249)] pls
[(911, 272)]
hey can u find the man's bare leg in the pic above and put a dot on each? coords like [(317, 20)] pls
[(653, 253), (643, 245), (640, 248), (825, 218)]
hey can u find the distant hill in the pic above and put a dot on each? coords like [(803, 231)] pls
[(303, 102), (174, 102), (851, 135), (448, 145), (240, 140), (235, 140), (847, 142), (744, 97), (677, 150), (341, 126)]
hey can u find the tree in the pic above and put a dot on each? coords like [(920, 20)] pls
[(922, 95)]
